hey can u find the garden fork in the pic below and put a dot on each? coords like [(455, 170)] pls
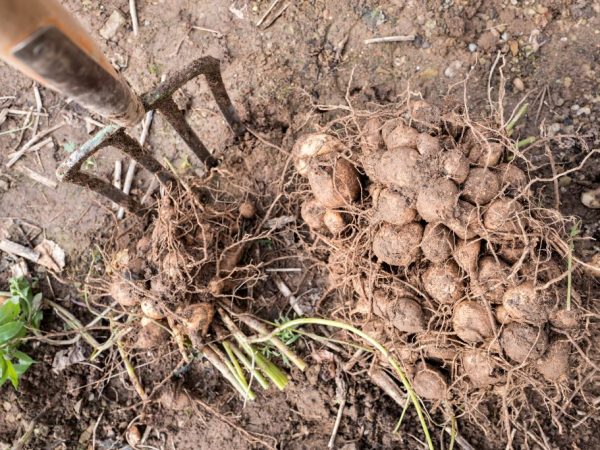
[(41, 39)]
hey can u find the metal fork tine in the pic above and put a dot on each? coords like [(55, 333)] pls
[(160, 99)]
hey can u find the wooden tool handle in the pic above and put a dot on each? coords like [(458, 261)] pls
[(41, 39)]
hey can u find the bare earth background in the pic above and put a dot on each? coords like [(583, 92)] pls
[(278, 75)]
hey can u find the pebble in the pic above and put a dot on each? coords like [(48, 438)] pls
[(112, 25), (567, 82), (585, 110), (591, 198), (554, 129), (472, 47), (560, 101), (518, 84), (565, 181), (453, 69)]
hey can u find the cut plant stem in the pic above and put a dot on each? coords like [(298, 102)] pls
[(525, 142), (384, 352), (249, 366), (234, 366), (217, 359), (131, 372), (520, 113), (259, 327), (273, 372)]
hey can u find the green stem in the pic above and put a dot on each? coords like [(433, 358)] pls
[(234, 366), (249, 367), (510, 125), (406, 405), (569, 274), (525, 142), (384, 352)]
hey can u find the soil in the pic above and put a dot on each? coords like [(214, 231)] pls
[(284, 78)]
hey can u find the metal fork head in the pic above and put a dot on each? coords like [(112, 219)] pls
[(159, 99)]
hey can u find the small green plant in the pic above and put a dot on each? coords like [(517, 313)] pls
[(288, 336), (19, 312)]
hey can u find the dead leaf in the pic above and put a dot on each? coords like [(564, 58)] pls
[(51, 255), (66, 358)]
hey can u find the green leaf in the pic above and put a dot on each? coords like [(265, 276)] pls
[(9, 311), (9, 330), (12, 375), (36, 302), (3, 375), (20, 369), (23, 358)]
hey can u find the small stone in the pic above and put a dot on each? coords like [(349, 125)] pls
[(518, 84), (505, 36), (554, 129), (560, 101), (453, 69), (567, 82), (514, 47), (564, 181), (585, 110), (472, 47), (591, 198), (112, 25)]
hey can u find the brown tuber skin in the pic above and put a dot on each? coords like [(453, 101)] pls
[(405, 314), (312, 213), (395, 135), (427, 145), (150, 335), (437, 201), (334, 221), (466, 255), (455, 165), (465, 221), (247, 210), (481, 186), (429, 383), (554, 364), (479, 367), (393, 207), (197, 317), (524, 304), (565, 319), (437, 243), (444, 283), (337, 187), (151, 309), (372, 134), (502, 216), (486, 154), (511, 177), (311, 146), (396, 168), (471, 322), (523, 342), (124, 292), (491, 279), (398, 245)]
